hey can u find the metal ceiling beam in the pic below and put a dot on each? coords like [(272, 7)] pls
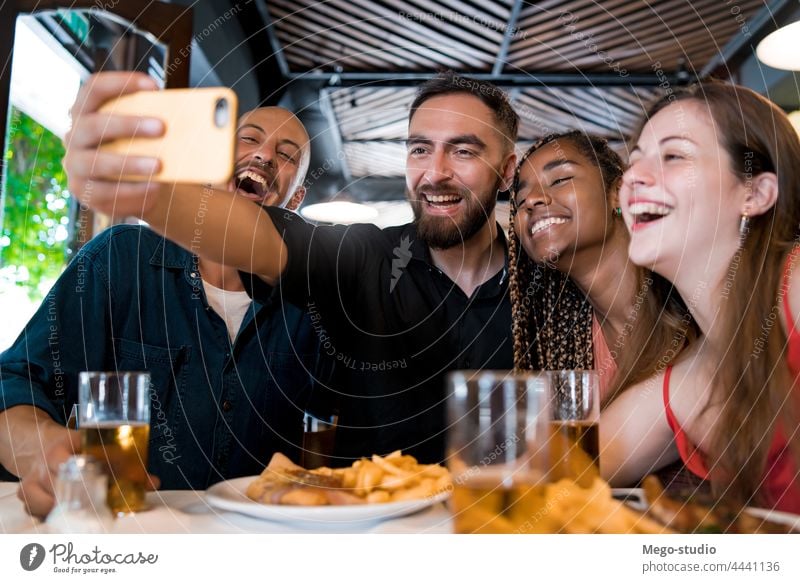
[(744, 43), (274, 43), (507, 38), (394, 79)]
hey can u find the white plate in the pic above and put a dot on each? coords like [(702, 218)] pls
[(230, 495), (791, 520)]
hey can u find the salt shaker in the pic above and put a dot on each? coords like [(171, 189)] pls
[(80, 490)]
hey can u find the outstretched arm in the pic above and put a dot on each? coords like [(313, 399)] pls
[(212, 223), (635, 439)]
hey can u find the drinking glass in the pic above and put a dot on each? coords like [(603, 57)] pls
[(114, 423), (575, 417), (497, 442), (318, 440)]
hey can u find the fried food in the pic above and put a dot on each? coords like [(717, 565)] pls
[(368, 481), (689, 516)]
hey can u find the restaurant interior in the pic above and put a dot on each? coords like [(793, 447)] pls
[(349, 69)]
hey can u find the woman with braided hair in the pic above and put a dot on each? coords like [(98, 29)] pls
[(577, 300)]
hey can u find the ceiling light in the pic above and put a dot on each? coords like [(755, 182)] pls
[(781, 49), (339, 212)]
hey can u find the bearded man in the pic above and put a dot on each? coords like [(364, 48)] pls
[(396, 308)]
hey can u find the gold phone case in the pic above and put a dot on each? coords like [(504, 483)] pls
[(199, 140)]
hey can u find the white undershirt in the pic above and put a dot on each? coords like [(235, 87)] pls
[(230, 305)]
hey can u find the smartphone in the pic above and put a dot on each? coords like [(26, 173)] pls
[(198, 143)]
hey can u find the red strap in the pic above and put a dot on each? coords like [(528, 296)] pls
[(691, 456), (785, 284)]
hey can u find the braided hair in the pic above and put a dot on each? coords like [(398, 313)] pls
[(545, 301)]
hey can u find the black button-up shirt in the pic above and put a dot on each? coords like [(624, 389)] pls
[(394, 325)]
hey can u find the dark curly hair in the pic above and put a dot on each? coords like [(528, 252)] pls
[(552, 318)]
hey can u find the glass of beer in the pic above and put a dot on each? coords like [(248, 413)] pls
[(319, 435), (114, 423), (497, 441), (574, 425)]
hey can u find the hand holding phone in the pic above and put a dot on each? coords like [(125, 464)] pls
[(198, 143)]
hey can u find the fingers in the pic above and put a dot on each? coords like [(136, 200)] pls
[(73, 443), (37, 490), (101, 87), (92, 129), (37, 495), (89, 164), (90, 172)]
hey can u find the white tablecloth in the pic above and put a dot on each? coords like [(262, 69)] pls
[(181, 511)]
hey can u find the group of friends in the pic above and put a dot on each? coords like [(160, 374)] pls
[(672, 275)]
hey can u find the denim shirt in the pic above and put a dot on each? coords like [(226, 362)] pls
[(131, 300)]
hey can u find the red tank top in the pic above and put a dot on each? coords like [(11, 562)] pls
[(781, 484)]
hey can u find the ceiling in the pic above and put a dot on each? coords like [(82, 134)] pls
[(348, 68)]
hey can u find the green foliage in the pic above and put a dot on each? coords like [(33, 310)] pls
[(36, 207)]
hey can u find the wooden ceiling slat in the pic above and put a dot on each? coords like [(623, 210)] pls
[(555, 118), (323, 46), (614, 107), (550, 27), (370, 21), (487, 39), (297, 49), (594, 111), (375, 158), (709, 23), (498, 22), (624, 102), (367, 24), (338, 44), (417, 31), (369, 43), (696, 52), (500, 10), (416, 37), (554, 104), (610, 39), (378, 113)]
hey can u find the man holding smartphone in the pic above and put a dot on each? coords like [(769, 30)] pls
[(230, 377), (396, 308)]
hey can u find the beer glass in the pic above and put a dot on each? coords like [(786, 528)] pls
[(318, 441), (114, 424), (575, 417), (497, 450)]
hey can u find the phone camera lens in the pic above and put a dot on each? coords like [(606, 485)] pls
[(221, 112)]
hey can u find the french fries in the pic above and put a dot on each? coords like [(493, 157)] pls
[(392, 478), (593, 510), (560, 507)]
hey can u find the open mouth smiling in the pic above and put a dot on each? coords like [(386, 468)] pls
[(648, 212), (442, 200), (544, 223), (253, 183)]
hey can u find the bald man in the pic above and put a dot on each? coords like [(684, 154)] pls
[(230, 377)]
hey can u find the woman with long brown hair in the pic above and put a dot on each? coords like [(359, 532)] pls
[(577, 300), (712, 201)]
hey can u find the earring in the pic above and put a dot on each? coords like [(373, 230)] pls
[(744, 226), (617, 212)]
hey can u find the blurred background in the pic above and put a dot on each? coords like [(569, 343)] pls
[(348, 69)]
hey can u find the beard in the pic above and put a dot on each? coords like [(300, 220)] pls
[(446, 232)]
